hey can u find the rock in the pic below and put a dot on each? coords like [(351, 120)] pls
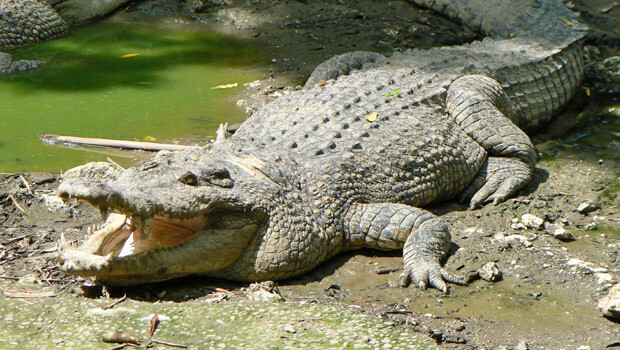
[(610, 304), (588, 266), (603, 278), (559, 232), (490, 272), (264, 291), (532, 221), (522, 345), (587, 207), (516, 225), (502, 237), (591, 226), (288, 328)]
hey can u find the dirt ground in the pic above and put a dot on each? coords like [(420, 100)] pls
[(547, 295)]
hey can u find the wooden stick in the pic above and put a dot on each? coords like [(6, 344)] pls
[(26, 183), (17, 204), (106, 307), (96, 142)]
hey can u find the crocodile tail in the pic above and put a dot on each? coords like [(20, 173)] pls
[(548, 20)]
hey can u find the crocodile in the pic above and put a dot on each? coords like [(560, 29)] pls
[(24, 22), (345, 163)]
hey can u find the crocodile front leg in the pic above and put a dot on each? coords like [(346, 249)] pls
[(424, 237), (479, 105)]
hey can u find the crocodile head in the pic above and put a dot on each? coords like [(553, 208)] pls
[(179, 214)]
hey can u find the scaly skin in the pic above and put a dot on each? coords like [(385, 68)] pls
[(24, 22), (345, 163)]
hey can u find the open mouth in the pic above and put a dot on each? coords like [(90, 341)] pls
[(123, 235), (156, 248)]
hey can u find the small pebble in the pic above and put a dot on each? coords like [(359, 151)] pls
[(587, 207), (490, 272), (532, 221)]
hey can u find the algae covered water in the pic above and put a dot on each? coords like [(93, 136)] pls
[(146, 81)]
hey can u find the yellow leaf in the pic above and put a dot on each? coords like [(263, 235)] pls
[(588, 91), (570, 23), (130, 55), (393, 93), (150, 138), (225, 86), (372, 117)]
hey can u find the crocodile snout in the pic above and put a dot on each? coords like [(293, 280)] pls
[(91, 190)]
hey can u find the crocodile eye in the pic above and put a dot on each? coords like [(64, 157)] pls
[(189, 178)]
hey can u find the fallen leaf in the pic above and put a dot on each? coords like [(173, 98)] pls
[(570, 23), (150, 138), (154, 323), (119, 337), (372, 117), (225, 86), (28, 293), (130, 55), (588, 91), (393, 93)]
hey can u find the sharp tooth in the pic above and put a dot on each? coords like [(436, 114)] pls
[(146, 227), (89, 230), (63, 241)]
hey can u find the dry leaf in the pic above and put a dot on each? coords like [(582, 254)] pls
[(225, 86), (130, 55), (154, 323), (119, 337), (28, 293), (372, 117), (570, 23)]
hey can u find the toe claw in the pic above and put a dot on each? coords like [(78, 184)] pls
[(405, 280)]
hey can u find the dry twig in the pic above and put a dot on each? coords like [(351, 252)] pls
[(26, 184), (106, 307), (174, 345), (17, 204)]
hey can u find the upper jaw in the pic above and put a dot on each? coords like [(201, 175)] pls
[(141, 200)]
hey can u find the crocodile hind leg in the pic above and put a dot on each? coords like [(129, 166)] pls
[(424, 238), (479, 105), (341, 65)]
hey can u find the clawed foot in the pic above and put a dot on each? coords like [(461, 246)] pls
[(497, 181), (426, 274)]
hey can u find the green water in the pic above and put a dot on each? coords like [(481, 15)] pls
[(88, 89)]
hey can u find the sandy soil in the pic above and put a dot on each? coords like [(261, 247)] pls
[(547, 295)]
